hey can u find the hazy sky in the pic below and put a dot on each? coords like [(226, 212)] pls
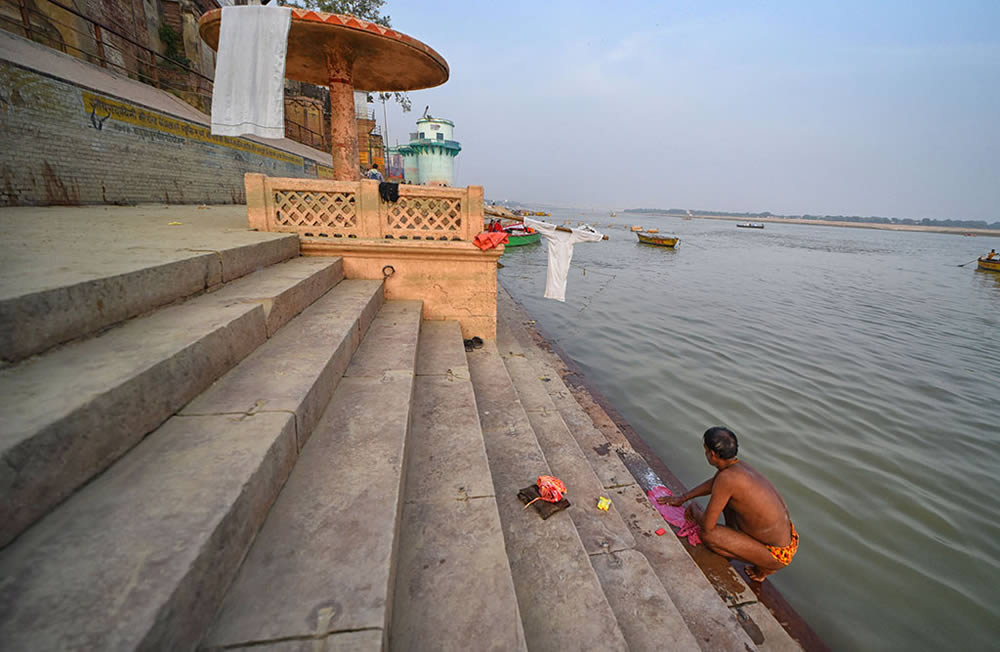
[(861, 108)]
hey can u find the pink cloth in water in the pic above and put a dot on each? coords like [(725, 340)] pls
[(675, 516)]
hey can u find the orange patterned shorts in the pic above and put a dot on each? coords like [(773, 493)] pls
[(784, 554)]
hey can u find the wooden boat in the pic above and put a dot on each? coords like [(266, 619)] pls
[(517, 236), (992, 265), (658, 240), (636, 229), (526, 239), (749, 225)]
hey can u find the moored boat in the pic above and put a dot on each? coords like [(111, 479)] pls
[(658, 240), (524, 239), (519, 235), (992, 265), (749, 225)]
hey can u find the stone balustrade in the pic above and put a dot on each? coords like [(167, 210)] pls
[(324, 208)]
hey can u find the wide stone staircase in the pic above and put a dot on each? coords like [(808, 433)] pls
[(276, 458)]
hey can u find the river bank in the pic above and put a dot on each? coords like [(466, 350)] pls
[(642, 461), (855, 225)]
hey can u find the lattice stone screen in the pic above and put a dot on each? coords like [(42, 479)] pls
[(305, 210), (353, 209), (421, 217)]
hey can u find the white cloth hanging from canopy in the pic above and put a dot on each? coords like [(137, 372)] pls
[(249, 89), (560, 245)]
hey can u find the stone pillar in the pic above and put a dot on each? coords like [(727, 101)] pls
[(343, 128)]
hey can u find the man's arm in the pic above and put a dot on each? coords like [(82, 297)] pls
[(722, 491), (703, 489)]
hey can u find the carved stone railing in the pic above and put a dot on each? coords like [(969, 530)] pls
[(324, 208)]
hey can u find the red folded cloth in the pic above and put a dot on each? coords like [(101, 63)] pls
[(488, 240)]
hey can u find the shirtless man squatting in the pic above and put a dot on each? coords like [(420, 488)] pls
[(758, 529)]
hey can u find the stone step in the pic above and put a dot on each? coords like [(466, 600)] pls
[(559, 595), (88, 286), (714, 625), (321, 570), (299, 369), (596, 447), (454, 589), (141, 556), (70, 413), (600, 531), (645, 611)]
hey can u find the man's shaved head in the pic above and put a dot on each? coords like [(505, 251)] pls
[(722, 442)]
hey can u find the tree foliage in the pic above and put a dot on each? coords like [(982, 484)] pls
[(370, 10)]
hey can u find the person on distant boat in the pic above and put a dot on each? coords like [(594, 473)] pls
[(758, 529), (992, 254), (373, 173)]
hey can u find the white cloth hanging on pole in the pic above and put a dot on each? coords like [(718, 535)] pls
[(249, 88), (560, 246)]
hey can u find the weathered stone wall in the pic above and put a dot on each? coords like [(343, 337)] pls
[(66, 145)]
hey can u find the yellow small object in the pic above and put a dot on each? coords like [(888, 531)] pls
[(174, 223), (603, 503)]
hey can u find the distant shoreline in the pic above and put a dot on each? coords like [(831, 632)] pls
[(853, 225)]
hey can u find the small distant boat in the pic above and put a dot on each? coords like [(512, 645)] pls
[(658, 240), (636, 229), (612, 213), (749, 225), (992, 265)]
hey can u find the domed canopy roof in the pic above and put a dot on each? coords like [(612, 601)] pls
[(384, 59)]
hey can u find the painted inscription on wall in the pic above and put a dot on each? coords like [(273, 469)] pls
[(104, 107)]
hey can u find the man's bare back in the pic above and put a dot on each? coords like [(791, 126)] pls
[(759, 510)]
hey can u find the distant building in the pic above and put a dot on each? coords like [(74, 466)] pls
[(395, 165), (429, 158), (371, 145)]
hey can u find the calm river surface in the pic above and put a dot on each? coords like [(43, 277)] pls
[(860, 370)]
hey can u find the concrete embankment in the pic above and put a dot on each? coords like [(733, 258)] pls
[(75, 134), (277, 455)]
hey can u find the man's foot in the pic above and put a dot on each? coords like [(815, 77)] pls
[(756, 573)]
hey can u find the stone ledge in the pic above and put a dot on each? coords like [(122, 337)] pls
[(438, 249), (455, 280)]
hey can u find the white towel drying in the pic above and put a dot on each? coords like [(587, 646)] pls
[(249, 95)]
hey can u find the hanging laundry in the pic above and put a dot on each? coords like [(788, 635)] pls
[(249, 92), (388, 191), (560, 245)]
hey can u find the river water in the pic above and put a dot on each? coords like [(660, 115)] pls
[(859, 368)]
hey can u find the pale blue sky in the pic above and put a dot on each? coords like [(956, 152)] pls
[(860, 108)]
